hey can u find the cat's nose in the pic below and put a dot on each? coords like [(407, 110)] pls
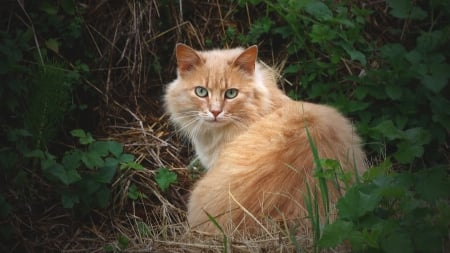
[(216, 113)]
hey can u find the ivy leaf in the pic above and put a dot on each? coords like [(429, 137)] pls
[(164, 178)]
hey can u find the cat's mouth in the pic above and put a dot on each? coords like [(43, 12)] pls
[(216, 122)]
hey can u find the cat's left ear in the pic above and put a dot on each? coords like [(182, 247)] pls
[(187, 58), (247, 59)]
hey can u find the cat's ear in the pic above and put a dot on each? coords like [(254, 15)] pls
[(247, 59), (187, 58)]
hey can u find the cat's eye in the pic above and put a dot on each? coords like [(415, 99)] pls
[(231, 93), (201, 91)]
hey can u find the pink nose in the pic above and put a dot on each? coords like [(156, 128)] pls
[(215, 113)]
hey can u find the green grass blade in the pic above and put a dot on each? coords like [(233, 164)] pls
[(217, 225)]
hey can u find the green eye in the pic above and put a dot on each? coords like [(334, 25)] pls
[(231, 93), (201, 91)]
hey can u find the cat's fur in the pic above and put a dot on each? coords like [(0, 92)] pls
[(255, 145)]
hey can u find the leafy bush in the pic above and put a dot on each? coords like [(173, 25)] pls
[(393, 90), (83, 176), (393, 212), (395, 87)]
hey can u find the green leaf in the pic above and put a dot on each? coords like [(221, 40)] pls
[(438, 77), (101, 148), (69, 199), (72, 176), (105, 174), (164, 178), (433, 184), (53, 45), (407, 152), (126, 158), (36, 153), (389, 130), (115, 148), (133, 192), (103, 196), (66, 177), (84, 138), (123, 242), (398, 241), (355, 203), (78, 133), (72, 159), (318, 10), (405, 9), (111, 162), (354, 54), (335, 233), (417, 135), (131, 165), (92, 160), (394, 92), (394, 52), (322, 33)]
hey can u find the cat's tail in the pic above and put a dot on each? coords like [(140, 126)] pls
[(262, 176)]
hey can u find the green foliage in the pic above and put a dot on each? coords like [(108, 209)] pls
[(120, 245), (393, 212), (164, 178), (395, 90), (83, 175), (226, 244), (48, 102)]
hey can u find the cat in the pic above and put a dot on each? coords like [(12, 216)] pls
[(252, 139)]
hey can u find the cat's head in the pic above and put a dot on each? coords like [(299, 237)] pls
[(217, 88)]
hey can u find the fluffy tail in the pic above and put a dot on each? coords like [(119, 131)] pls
[(263, 172)]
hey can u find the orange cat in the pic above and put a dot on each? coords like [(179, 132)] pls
[(252, 139)]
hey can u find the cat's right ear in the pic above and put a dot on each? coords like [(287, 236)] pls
[(187, 58)]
